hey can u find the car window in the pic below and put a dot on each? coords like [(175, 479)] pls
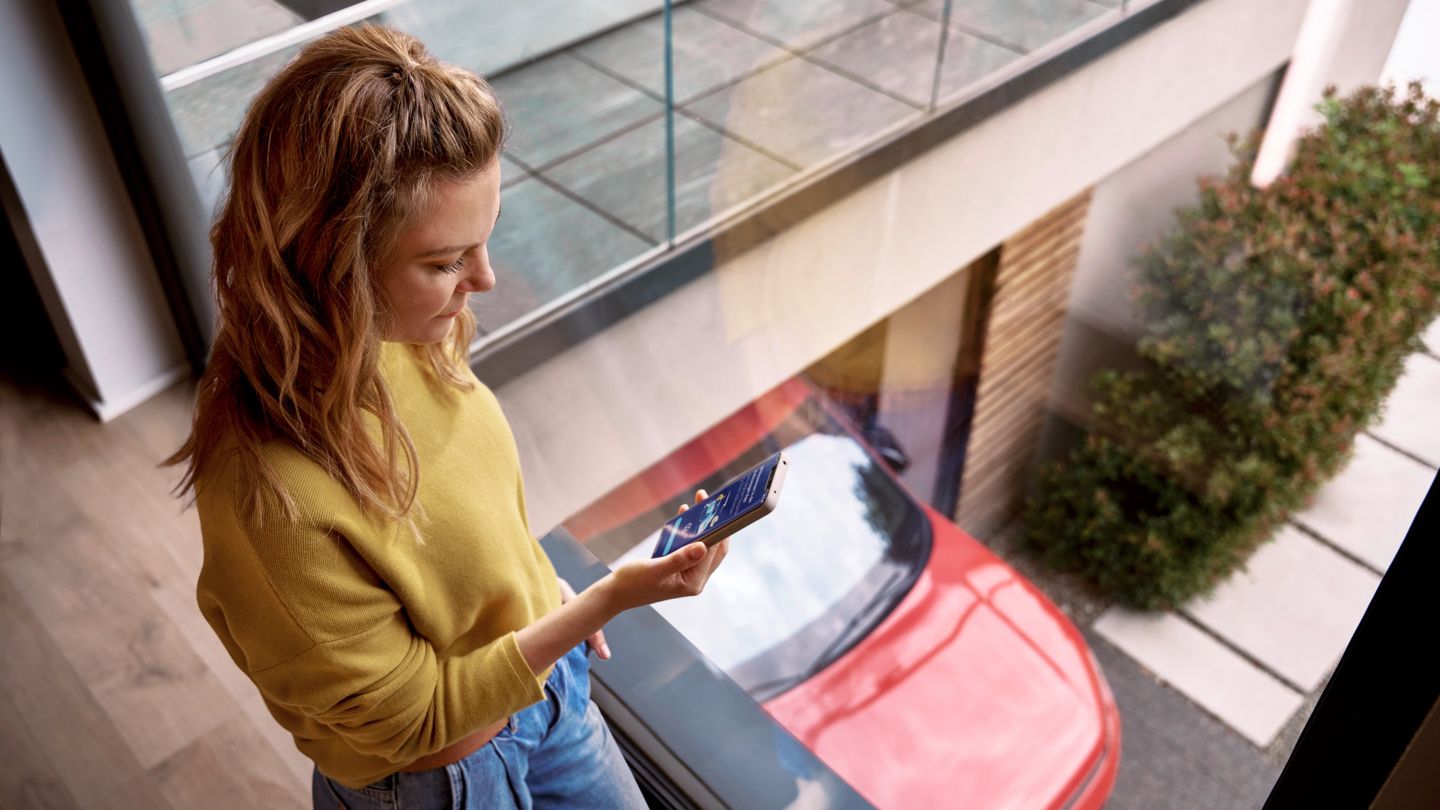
[(800, 586)]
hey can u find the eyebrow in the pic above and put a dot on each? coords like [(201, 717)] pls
[(458, 248)]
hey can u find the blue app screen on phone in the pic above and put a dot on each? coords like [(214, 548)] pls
[(730, 502)]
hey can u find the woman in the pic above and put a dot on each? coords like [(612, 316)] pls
[(367, 558)]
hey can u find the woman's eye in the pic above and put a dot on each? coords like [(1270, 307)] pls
[(453, 267)]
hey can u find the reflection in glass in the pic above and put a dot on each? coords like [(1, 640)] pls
[(764, 91), (180, 33), (801, 585)]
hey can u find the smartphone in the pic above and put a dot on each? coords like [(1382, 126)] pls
[(741, 501)]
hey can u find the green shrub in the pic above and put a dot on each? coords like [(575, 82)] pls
[(1274, 323)]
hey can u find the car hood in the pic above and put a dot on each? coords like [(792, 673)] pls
[(974, 692)]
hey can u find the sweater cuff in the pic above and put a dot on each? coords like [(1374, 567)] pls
[(510, 647)]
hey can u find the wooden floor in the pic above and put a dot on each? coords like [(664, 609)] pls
[(114, 692)]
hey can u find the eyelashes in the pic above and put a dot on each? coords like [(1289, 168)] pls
[(453, 267)]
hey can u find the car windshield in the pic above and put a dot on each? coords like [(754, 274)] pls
[(801, 586)]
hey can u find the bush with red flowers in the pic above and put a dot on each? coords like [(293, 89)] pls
[(1275, 322)]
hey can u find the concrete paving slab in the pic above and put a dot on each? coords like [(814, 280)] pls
[(897, 54), (1243, 696), (181, 34), (545, 246), (207, 113), (560, 105), (625, 177), (1367, 508), (1293, 608), (707, 53), (1173, 754), (798, 24), (1027, 23), (1411, 420), (839, 114), (511, 172)]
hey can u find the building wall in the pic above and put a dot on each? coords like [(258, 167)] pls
[(1131, 208), (587, 419), (1022, 336), (923, 350), (1369, 31), (1414, 56), (1137, 204)]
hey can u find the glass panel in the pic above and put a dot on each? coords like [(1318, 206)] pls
[(564, 115), (640, 695), (887, 635), (606, 167), (180, 33), (787, 617)]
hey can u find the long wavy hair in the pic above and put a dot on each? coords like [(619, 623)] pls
[(333, 158)]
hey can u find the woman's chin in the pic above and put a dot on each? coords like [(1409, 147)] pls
[(433, 332)]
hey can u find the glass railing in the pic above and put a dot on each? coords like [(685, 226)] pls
[(634, 126), (638, 131), (917, 342)]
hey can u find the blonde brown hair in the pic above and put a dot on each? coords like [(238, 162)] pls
[(334, 156)]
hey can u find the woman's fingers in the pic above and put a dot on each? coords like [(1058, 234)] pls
[(597, 643), (697, 575), (721, 549), (682, 572), (699, 496), (687, 557)]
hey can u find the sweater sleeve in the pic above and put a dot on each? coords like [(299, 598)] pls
[(332, 643)]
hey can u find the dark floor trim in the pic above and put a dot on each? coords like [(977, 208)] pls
[(501, 361)]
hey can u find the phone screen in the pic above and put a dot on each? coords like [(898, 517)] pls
[(712, 514)]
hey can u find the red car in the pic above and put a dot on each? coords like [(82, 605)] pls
[(916, 664)]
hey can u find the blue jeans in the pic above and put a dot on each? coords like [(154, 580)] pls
[(556, 754)]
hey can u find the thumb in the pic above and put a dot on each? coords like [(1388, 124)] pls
[(686, 557)]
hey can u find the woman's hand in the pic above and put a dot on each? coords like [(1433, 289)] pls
[(597, 640), (582, 617), (680, 573)]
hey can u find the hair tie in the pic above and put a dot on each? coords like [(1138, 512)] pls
[(406, 69)]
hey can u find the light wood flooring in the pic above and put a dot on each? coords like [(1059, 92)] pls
[(114, 692)]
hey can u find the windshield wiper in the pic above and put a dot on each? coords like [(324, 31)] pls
[(861, 621)]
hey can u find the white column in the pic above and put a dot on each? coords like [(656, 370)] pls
[(1342, 43), (93, 271), (1304, 83)]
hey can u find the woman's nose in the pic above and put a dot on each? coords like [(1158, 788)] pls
[(482, 276)]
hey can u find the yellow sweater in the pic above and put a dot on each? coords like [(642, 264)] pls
[(372, 650)]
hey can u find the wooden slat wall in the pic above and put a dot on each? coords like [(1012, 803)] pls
[(1022, 339)]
